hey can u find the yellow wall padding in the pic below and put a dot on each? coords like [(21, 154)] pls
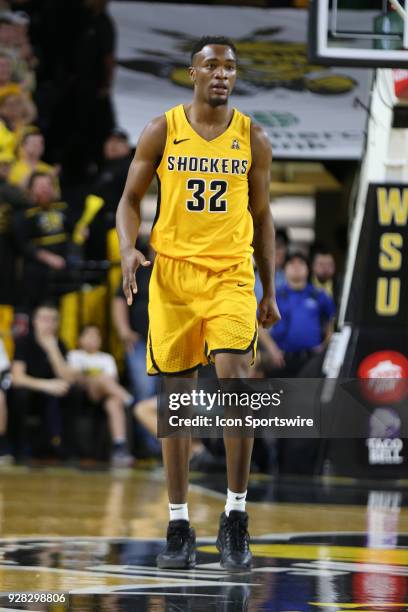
[(79, 308), (6, 324)]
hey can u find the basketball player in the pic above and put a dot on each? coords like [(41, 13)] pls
[(213, 168)]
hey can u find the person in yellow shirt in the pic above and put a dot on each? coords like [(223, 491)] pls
[(29, 160), (16, 111), (213, 167)]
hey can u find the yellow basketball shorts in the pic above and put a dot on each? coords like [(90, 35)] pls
[(195, 313)]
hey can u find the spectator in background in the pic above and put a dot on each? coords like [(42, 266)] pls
[(92, 110), (42, 379), (116, 147), (14, 40), (5, 457), (29, 160), (306, 324), (16, 111), (43, 235), (98, 376), (132, 326), (12, 202), (117, 155), (281, 250), (5, 70), (324, 272)]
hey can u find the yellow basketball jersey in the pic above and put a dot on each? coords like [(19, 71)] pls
[(202, 214)]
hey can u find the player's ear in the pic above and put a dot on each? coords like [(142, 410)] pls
[(192, 74)]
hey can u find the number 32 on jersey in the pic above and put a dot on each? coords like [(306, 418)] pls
[(214, 202)]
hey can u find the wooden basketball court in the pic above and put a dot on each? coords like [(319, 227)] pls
[(89, 541)]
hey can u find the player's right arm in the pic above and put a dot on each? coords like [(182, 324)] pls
[(148, 154)]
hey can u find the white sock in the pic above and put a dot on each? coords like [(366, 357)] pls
[(235, 501), (178, 512)]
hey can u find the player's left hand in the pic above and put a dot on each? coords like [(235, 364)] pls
[(268, 311)]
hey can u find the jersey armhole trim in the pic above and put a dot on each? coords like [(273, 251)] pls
[(166, 115), (250, 142)]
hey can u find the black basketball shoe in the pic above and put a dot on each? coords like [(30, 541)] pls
[(233, 541), (179, 552)]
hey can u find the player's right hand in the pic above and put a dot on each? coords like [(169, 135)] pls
[(131, 260)]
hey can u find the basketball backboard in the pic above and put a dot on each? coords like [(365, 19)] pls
[(359, 33)]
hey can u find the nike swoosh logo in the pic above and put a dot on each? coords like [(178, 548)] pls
[(175, 141), (239, 498), (176, 508), (242, 284)]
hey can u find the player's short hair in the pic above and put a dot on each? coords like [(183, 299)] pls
[(211, 40)]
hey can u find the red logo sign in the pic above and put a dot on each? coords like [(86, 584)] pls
[(401, 83), (385, 377)]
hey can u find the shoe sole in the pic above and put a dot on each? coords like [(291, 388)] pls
[(233, 567), (236, 568), (176, 564)]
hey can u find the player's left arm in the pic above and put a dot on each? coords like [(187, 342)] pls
[(264, 231)]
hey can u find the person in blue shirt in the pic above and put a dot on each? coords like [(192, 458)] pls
[(306, 324), (281, 250)]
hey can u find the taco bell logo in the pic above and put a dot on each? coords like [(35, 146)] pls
[(384, 445)]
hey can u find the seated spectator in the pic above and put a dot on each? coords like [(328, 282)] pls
[(5, 457), (42, 380), (12, 202), (43, 234), (98, 376), (16, 111), (324, 272), (306, 324), (28, 162), (281, 250), (14, 40), (132, 325)]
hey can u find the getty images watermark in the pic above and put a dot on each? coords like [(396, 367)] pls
[(211, 401), (284, 408)]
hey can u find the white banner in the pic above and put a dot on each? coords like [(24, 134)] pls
[(309, 112)]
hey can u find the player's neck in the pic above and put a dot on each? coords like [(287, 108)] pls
[(202, 112)]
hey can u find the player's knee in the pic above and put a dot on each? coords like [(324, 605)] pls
[(232, 365)]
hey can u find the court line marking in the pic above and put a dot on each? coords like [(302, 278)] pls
[(215, 572), (83, 539), (218, 596), (87, 574), (16, 610)]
